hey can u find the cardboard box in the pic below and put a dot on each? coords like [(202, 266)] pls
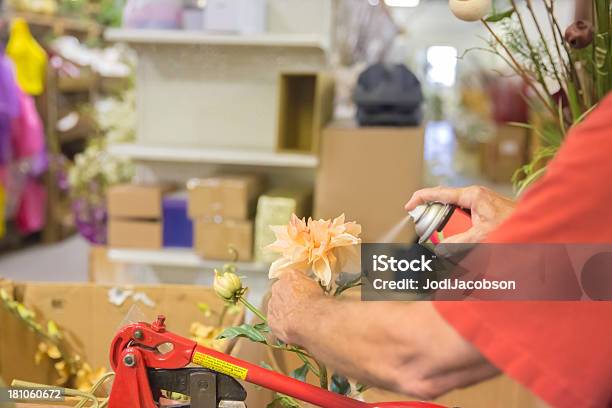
[(135, 201), (134, 234), (501, 156), (89, 320), (275, 208), (369, 174), (255, 353), (305, 105), (214, 240), (225, 197), (239, 16)]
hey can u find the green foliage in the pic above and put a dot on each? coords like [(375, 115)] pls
[(346, 281), (110, 13), (283, 401), (340, 384), (300, 373), (254, 333), (494, 18), (266, 365)]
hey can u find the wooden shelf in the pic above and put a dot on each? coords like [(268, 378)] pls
[(59, 24), (214, 156), (144, 36), (74, 85), (184, 258)]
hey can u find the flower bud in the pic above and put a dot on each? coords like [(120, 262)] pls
[(469, 10), (579, 34), (228, 286)]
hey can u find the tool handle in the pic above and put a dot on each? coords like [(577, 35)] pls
[(272, 380)]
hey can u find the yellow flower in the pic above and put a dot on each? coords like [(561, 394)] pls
[(321, 246), (63, 372), (47, 349), (86, 377), (228, 286), (206, 335)]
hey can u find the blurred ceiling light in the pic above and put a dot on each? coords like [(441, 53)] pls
[(374, 2), (402, 3)]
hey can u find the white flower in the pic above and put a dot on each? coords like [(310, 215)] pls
[(469, 10), (228, 286)]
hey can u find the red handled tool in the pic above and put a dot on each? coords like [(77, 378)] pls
[(143, 370)]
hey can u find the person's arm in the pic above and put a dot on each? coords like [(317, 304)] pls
[(403, 347)]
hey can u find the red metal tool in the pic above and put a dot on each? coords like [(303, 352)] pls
[(135, 355)]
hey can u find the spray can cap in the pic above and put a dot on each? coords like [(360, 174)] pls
[(418, 212), (428, 217)]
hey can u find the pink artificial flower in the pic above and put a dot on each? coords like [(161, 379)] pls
[(322, 247)]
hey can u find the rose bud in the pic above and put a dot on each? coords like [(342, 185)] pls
[(579, 34), (469, 10), (228, 286)]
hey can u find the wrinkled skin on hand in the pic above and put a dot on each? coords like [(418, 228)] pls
[(291, 295), (406, 347), (488, 208)]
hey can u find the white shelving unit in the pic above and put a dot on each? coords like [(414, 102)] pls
[(141, 36), (182, 258), (213, 156), (212, 100)]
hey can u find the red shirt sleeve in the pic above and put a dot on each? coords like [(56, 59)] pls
[(562, 351)]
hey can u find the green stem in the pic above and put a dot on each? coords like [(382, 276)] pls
[(300, 353), (519, 68), (253, 309), (222, 315), (548, 52), (322, 375), (534, 56)]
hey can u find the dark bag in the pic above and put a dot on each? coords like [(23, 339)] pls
[(388, 95)]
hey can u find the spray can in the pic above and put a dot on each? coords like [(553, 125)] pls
[(446, 219)]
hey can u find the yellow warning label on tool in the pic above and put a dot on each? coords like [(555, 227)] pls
[(219, 365)]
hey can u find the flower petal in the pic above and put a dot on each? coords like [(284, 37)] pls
[(322, 271)]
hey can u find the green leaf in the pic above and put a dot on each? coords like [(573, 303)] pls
[(244, 330), (300, 373), (340, 384), (53, 330), (266, 365), (497, 17), (362, 387), (25, 313), (262, 327), (284, 401), (4, 295)]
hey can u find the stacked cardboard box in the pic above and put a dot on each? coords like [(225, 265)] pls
[(369, 173), (135, 213), (504, 154), (222, 210), (275, 208)]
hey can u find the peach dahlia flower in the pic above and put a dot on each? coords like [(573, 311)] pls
[(320, 247)]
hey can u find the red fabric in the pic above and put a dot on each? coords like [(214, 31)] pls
[(562, 351)]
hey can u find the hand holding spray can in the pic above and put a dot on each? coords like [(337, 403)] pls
[(446, 219)]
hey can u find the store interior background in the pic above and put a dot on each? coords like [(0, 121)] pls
[(429, 42), (180, 73)]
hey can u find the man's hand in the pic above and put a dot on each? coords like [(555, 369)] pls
[(292, 295), (488, 208), (399, 346)]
